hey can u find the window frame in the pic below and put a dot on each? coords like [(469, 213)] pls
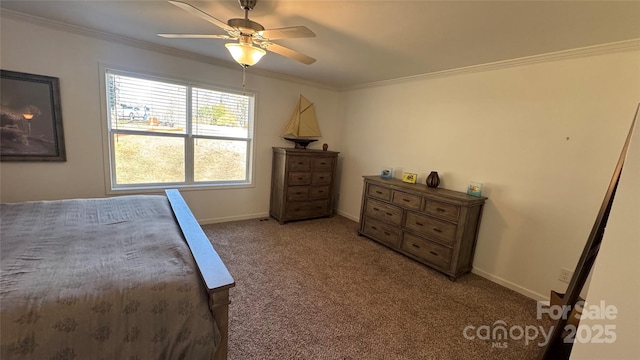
[(188, 136)]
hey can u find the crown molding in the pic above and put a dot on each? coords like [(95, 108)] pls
[(146, 45), (610, 48)]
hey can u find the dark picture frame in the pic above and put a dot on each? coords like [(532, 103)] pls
[(30, 118)]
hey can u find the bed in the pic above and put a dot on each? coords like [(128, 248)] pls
[(129, 277)]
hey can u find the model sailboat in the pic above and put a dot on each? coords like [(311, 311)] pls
[(302, 128)]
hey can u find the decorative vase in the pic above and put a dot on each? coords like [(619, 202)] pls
[(433, 180), (325, 147)]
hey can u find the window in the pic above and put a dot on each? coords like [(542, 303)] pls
[(164, 133)]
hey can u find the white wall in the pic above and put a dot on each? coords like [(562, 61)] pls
[(615, 274), (544, 139), (75, 59)]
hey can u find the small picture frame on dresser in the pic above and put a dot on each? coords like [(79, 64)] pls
[(474, 188), (409, 177), (386, 173)]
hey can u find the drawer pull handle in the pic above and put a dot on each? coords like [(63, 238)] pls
[(320, 191), (406, 200), (433, 253), (376, 209), (374, 228), (437, 230), (298, 193), (390, 214), (416, 246), (441, 210), (319, 207), (321, 177), (386, 233), (419, 224), (299, 178), (378, 192)]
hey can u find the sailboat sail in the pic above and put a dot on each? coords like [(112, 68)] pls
[(303, 122)]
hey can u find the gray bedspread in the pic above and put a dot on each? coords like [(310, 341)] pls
[(100, 279)]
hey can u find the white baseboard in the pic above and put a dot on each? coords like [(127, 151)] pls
[(233, 218), (259, 216), (348, 216), (509, 285)]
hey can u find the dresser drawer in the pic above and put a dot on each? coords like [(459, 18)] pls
[(381, 231), (299, 163), (305, 209), (319, 192), (322, 164), (442, 210), (299, 178), (407, 200), (433, 253), (386, 212), (379, 192), (298, 193), (432, 228), (321, 178)]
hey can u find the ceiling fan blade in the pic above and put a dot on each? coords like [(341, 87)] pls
[(292, 54), (196, 36), (202, 14), (286, 33)]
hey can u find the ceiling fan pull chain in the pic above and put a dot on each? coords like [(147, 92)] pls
[(244, 68)]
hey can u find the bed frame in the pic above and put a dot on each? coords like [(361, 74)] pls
[(214, 273)]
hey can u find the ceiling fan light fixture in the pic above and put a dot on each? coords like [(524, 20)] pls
[(245, 54)]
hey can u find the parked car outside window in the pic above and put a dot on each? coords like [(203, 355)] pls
[(135, 112)]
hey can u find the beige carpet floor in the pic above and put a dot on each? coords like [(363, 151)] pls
[(316, 290)]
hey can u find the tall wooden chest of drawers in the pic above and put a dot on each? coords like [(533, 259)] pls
[(436, 227), (302, 183)]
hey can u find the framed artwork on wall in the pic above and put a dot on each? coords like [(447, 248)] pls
[(30, 118)]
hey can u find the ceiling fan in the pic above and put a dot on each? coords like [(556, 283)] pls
[(248, 33)]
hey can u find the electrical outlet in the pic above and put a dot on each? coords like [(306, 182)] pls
[(565, 275)]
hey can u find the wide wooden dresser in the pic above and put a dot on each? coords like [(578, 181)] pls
[(437, 227), (302, 183)]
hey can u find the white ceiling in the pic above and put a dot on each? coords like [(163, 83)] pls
[(359, 42)]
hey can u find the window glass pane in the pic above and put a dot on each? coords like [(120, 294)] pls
[(155, 139), (148, 159), (220, 114), (220, 160), (146, 105)]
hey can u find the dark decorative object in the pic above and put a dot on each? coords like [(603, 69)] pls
[(301, 143), (30, 118), (433, 180), (325, 146)]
